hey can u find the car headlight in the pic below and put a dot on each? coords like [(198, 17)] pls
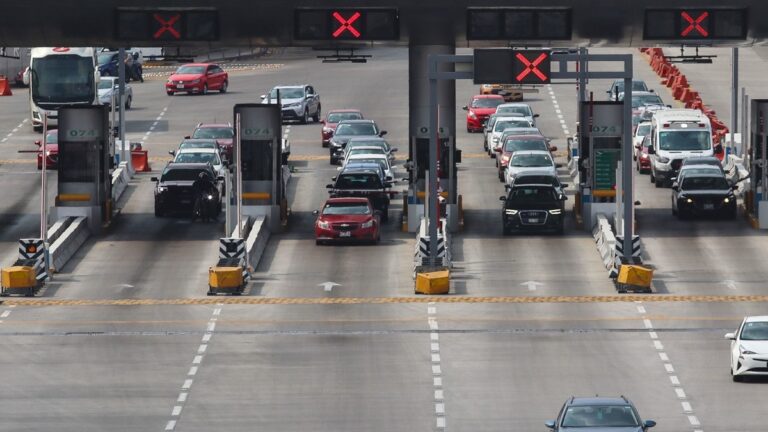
[(495, 140), (743, 351), (368, 224), (47, 152), (170, 81), (335, 144), (555, 212), (323, 225), (161, 189), (689, 200), (663, 159), (511, 212), (472, 115), (292, 105), (727, 200)]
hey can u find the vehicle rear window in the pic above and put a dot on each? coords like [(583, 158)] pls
[(531, 160), (346, 209), (356, 151), (197, 144), (361, 143), (755, 331), (337, 117), (520, 109), (214, 133), (643, 130), (359, 181), (359, 129), (638, 101), (506, 124), (704, 183), (197, 158), (599, 416), (513, 145), (486, 102), (185, 174)]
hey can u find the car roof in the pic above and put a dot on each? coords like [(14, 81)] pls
[(212, 125), (522, 131), (367, 168), (347, 200), (345, 110), (199, 140), (199, 64), (291, 86), (368, 156), (511, 104), (509, 116), (357, 121), (531, 152), (188, 165), (487, 96), (700, 158), (643, 93), (757, 318), (599, 401), (369, 138), (197, 150)]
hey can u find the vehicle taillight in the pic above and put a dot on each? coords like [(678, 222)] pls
[(666, 125), (702, 125)]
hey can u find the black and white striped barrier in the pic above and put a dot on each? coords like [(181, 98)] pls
[(233, 249), (421, 254), (32, 252), (637, 247)]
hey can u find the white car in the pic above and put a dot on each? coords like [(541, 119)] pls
[(364, 150), (749, 348), (380, 159), (202, 155), (108, 86), (529, 160), (641, 131), (371, 142), (518, 108), (503, 123)]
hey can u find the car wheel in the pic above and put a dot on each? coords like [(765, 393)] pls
[(736, 378), (659, 183), (318, 242), (324, 144), (159, 211), (469, 130), (205, 89), (128, 103), (305, 118), (169, 93), (316, 118), (224, 86)]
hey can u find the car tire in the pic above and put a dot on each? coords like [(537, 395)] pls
[(736, 378), (159, 212), (128, 102), (324, 144), (205, 89), (469, 130), (319, 242), (305, 118), (169, 93), (659, 183), (224, 86), (316, 117)]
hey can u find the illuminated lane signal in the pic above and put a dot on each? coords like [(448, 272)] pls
[(167, 23), (176, 25), (509, 66), (695, 24), (347, 24), (535, 67)]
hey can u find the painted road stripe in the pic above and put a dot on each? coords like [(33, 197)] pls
[(182, 397), (5, 314), (680, 393), (171, 425)]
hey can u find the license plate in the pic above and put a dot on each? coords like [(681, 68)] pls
[(179, 86), (345, 234), (709, 206), (533, 221)]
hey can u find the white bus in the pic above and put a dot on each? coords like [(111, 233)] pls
[(677, 134), (60, 76)]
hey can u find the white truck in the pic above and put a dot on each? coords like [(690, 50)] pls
[(677, 134), (58, 77)]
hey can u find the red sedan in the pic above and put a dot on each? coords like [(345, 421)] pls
[(332, 120), (478, 110), (347, 219), (223, 133), (643, 160), (51, 150), (197, 78)]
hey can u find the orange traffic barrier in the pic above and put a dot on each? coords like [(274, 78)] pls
[(664, 70), (677, 92), (688, 95), (140, 160), (695, 103), (672, 77), (5, 86)]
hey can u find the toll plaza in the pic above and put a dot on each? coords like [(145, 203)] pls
[(84, 180)]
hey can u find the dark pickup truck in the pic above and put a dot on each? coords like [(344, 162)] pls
[(364, 180)]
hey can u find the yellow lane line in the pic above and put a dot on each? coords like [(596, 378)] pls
[(390, 300), (18, 161)]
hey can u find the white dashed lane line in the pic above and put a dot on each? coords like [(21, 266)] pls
[(685, 404), (16, 129), (189, 381), (154, 125), (437, 372), (558, 111)]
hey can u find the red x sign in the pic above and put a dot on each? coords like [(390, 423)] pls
[(345, 25), (167, 26), (538, 67), (694, 24)]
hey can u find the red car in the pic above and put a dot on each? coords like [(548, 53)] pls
[(643, 160), (223, 133), (51, 150), (343, 219), (519, 143), (478, 110), (332, 120), (197, 78)]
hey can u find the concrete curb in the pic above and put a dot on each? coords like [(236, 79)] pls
[(258, 237), (69, 242)]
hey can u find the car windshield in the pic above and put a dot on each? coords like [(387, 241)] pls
[(105, 58), (519, 109), (704, 183), (755, 331), (52, 137), (287, 93), (382, 162), (359, 181), (513, 145), (106, 84), (359, 129), (532, 195), (681, 140), (346, 208), (197, 158), (537, 179), (197, 144), (600, 416), (506, 124), (194, 70), (486, 102), (531, 160), (357, 151), (337, 117), (636, 86), (643, 130), (640, 100), (63, 79), (214, 133), (171, 174)]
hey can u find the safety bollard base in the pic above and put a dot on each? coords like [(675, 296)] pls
[(634, 278), (433, 280)]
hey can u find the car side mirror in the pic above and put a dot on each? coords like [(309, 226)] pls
[(651, 150), (652, 90), (263, 96), (220, 178), (38, 143), (535, 116), (730, 336), (507, 187), (465, 108), (675, 187), (608, 91), (388, 178), (382, 133), (735, 187), (502, 198), (329, 186), (563, 198), (393, 150), (315, 212), (649, 424), (333, 178), (154, 179), (553, 148), (172, 152), (551, 423), (187, 137)]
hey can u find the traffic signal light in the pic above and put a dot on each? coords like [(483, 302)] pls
[(508, 66)]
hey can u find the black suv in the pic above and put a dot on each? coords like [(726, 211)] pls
[(595, 414), (703, 193), (535, 207), (363, 180), (175, 192)]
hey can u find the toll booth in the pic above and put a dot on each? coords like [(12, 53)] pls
[(447, 159), (260, 159), (84, 180), (756, 200), (600, 145)]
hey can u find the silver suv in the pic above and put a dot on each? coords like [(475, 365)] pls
[(298, 102)]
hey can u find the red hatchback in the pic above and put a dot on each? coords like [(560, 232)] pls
[(51, 150), (332, 120), (347, 219), (197, 78), (478, 110), (643, 159)]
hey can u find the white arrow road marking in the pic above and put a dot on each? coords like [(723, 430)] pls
[(532, 285), (730, 284), (328, 286)]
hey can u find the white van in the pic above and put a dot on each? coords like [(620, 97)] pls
[(677, 134)]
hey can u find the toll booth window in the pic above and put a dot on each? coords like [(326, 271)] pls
[(77, 164), (257, 160), (63, 78)]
